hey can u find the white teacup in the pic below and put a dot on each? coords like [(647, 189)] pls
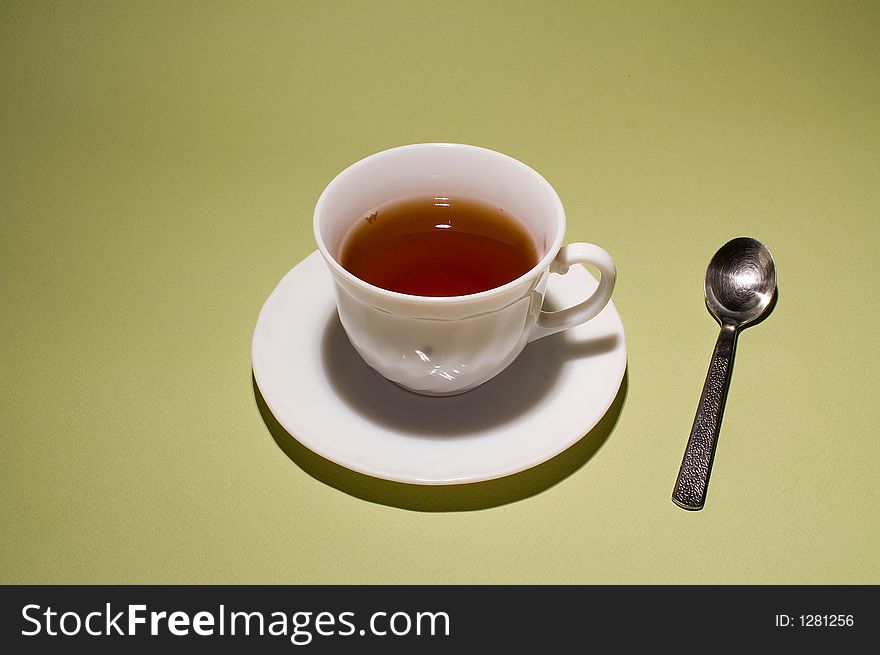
[(440, 346)]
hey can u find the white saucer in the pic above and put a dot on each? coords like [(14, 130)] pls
[(323, 394)]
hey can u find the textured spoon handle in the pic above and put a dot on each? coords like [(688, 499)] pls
[(693, 476)]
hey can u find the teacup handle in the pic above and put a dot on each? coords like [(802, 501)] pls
[(578, 253)]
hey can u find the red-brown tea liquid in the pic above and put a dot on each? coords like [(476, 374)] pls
[(438, 246)]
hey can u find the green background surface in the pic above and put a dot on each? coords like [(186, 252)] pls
[(159, 166)]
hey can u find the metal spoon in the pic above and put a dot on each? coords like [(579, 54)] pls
[(740, 287)]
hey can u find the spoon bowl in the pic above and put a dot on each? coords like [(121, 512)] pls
[(740, 282)]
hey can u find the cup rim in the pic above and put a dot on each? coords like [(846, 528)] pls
[(542, 264)]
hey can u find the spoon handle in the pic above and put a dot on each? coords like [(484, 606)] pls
[(693, 476)]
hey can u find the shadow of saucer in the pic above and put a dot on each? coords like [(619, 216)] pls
[(446, 498)]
